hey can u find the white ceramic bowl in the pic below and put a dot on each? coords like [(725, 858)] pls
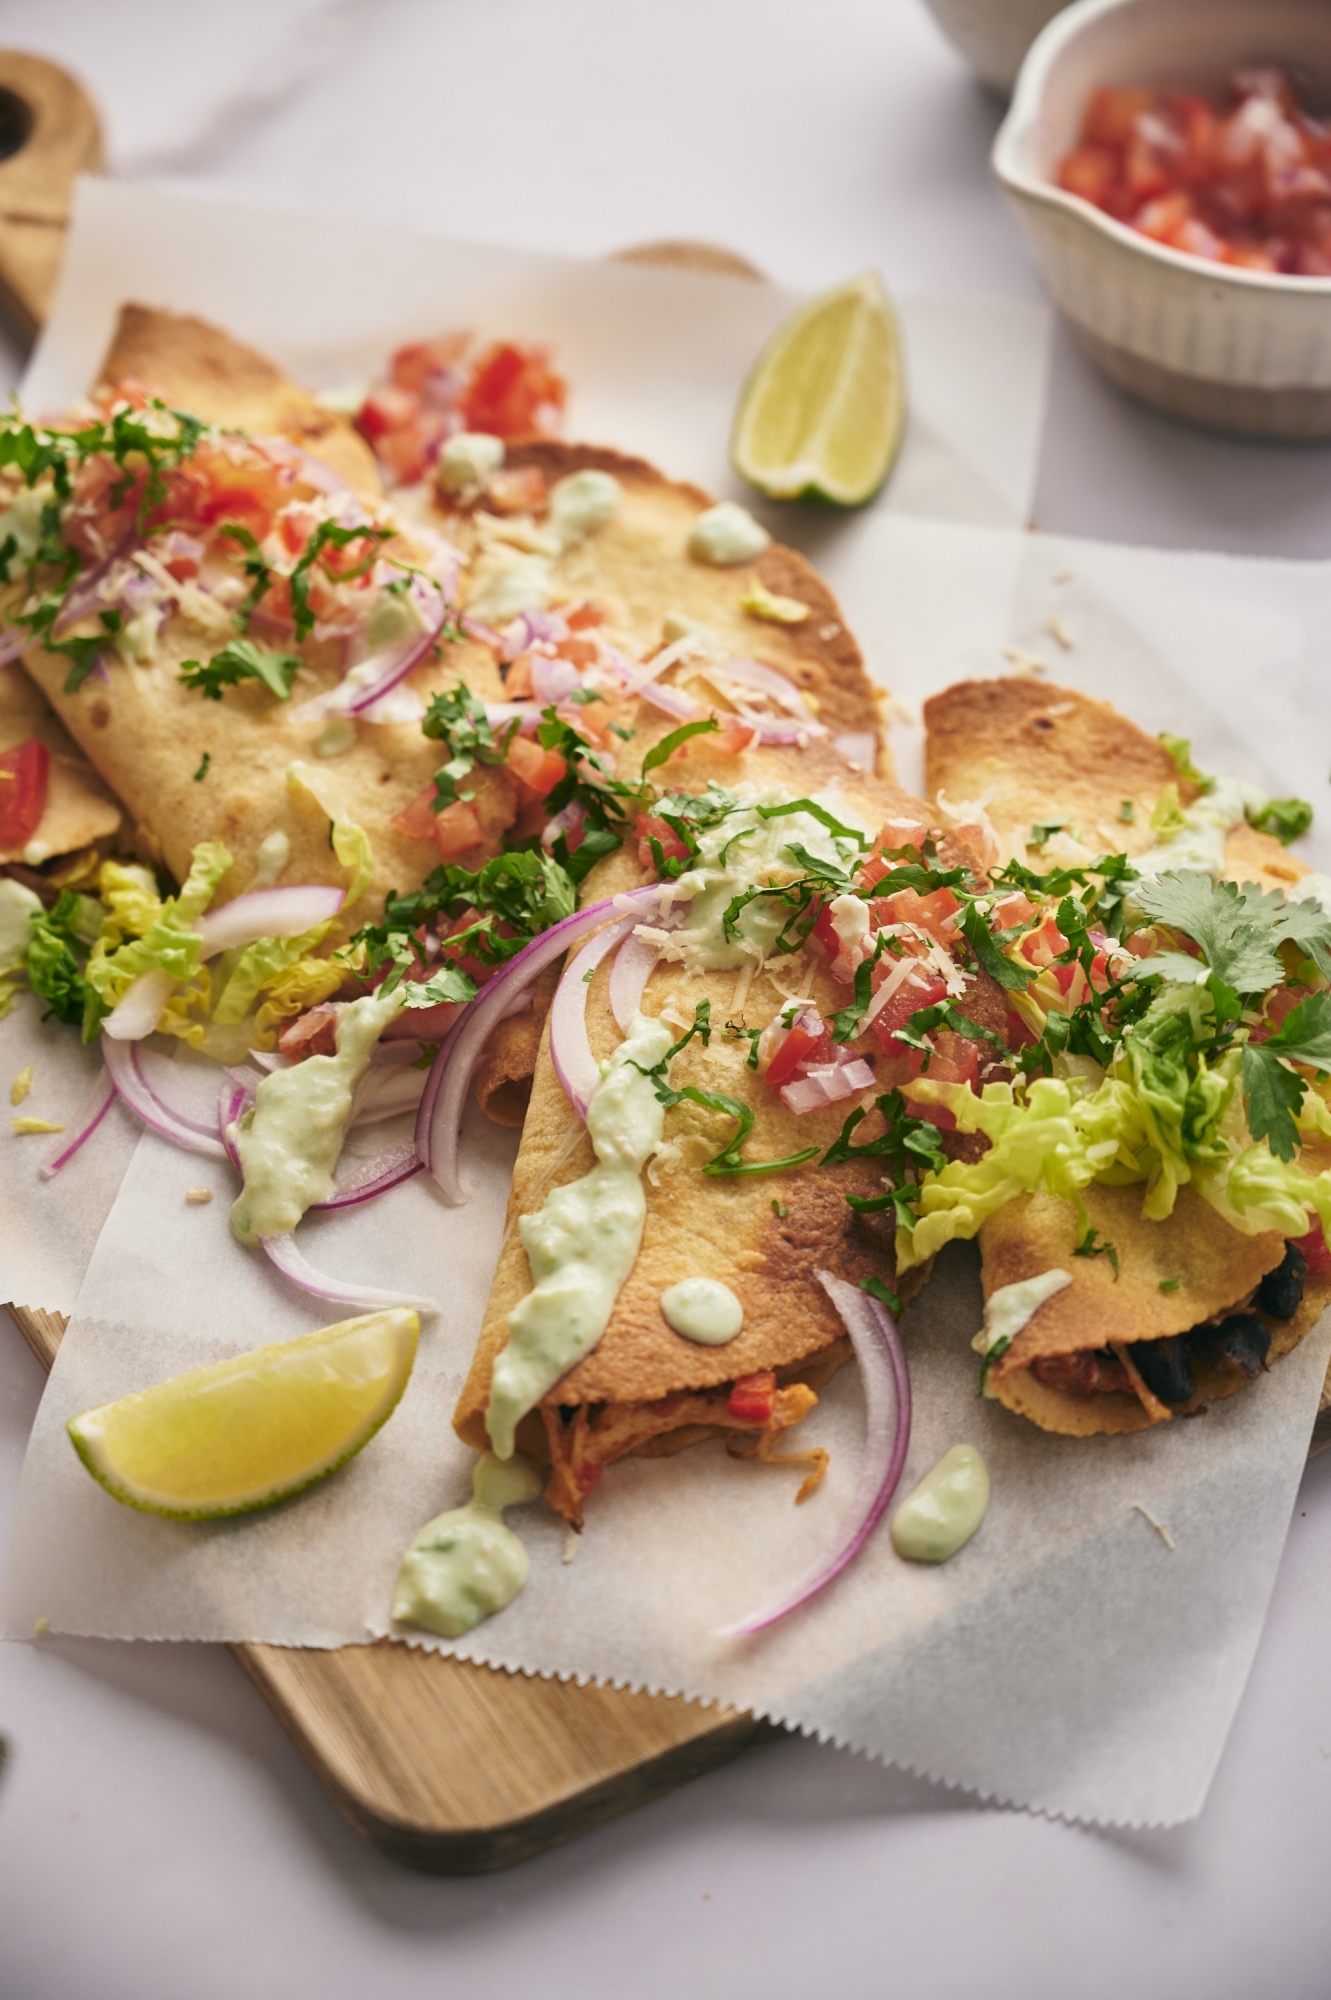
[(1234, 350), (994, 35)]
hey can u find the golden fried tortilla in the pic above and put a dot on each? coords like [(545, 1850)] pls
[(1036, 753), (718, 1227), (79, 810)]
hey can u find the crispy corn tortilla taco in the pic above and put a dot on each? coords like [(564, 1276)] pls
[(644, 1387), (1155, 1313)]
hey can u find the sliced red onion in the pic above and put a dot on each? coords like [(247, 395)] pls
[(476, 628), (566, 821), (385, 1092), (372, 679), (670, 701), (634, 963), (440, 1116), (123, 1068), (526, 713), (269, 1059), (826, 1083), (570, 1051), (752, 673), (275, 913), (528, 628), (86, 593), (88, 1117), (553, 680), (15, 639), (886, 1380), (232, 1104), (293, 1264), (373, 1177), (139, 1007), (208, 1126), (857, 746)]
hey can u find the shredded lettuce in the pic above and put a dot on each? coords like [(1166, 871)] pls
[(170, 943)]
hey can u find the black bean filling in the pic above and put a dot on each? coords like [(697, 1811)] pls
[(1240, 1342)]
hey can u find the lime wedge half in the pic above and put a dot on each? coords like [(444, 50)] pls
[(247, 1432), (822, 413)]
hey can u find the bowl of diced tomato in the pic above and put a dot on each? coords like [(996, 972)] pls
[(1170, 161)]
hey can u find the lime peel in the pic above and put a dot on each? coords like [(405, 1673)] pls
[(256, 1429), (823, 411)]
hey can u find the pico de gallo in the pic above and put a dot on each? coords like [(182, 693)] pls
[(1245, 181), (436, 389)]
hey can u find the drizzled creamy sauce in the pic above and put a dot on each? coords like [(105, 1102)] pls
[(467, 1564), (17, 905), (1013, 1307), (945, 1509), (290, 1143), (703, 1310), (584, 1240), (727, 534)]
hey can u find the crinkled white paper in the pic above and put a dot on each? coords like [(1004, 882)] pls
[(1069, 1658)]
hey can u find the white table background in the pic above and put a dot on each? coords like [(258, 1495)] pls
[(160, 1839)]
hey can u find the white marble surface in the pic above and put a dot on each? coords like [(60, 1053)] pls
[(158, 1835)]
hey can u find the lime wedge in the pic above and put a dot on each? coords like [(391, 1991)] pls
[(822, 413), (247, 1432)]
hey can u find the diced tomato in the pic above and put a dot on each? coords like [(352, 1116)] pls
[(417, 819), (518, 489), (537, 770), (935, 913), (956, 1059), (1283, 1001), (1014, 910), (1089, 171), (413, 367), (809, 1040), (1111, 117), (733, 738), (1043, 946), (1316, 1252), (387, 408), (578, 652), (920, 988), (886, 852), (583, 616), (24, 774), (648, 827), (514, 392), (456, 829), (752, 1397)]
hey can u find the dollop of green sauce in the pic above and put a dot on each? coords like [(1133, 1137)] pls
[(583, 1242), (727, 534), (704, 1310), (945, 1509), (290, 1142), (467, 1564)]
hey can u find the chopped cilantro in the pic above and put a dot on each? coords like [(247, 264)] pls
[(202, 771), (1170, 1284), (1090, 1246), (327, 536), (876, 1289), (1180, 749), (780, 1209), (1275, 1093), (1127, 812), (1286, 819), (1043, 832), (241, 660), (735, 1031)]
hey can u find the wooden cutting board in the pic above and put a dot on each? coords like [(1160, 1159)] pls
[(445, 1765)]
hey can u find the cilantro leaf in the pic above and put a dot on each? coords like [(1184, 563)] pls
[(1013, 978), (1238, 929), (662, 752), (1274, 1095), (1286, 819), (328, 535), (449, 983), (815, 811), (241, 660)]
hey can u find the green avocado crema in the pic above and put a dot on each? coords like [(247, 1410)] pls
[(467, 1564), (290, 1142), (584, 1240), (945, 1509)]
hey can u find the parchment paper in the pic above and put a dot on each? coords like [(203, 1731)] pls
[(1069, 1658)]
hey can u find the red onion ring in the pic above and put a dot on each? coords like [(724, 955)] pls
[(15, 639), (440, 1116), (90, 1115), (634, 964), (232, 1104), (207, 1126), (476, 628), (276, 913), (372, 679), (553, 680), (373, 1177), (570, 1051), (293, 1264), (882, 1361), (122, 1066), (525, 713), (86, 593)]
